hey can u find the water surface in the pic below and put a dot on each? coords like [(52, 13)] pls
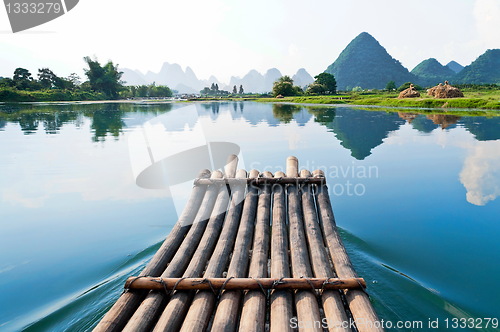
[(415, 197)]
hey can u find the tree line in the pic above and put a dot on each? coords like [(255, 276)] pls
[(147, 91), (103, 82), (323, 84), (24, 80), (214, 90)]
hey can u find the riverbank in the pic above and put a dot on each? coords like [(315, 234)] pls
[(473, 99), (485, 103), (10, 95)]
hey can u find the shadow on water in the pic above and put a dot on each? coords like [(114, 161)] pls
[(359, 131), (106, 119), (428, 123), (284, 113), (83, 310), (213, 107), (385, 285), (483, 128)]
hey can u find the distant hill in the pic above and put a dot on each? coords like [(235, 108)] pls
[(254, 81), (430, 72), (455, 66), (185, 81), (270, 77), (302, 78), (133, 77), (484, 70), (169, 74), (258, 83), (365, 63), (176, 78)]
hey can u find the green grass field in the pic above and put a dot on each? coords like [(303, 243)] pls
[(13, 95), (472, 99)]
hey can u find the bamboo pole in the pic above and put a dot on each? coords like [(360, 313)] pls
[(116, 318), (203, 303), (226, 315), (292, 167), (359, 303), (305, 301), (177, 306), (230, 172), (144, 316), (231, 166), (207, 283), (262, 181), (281, 300), (173, 315), (336, 317), (253, 314)]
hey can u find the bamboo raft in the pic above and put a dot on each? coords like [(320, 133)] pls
[(250, 252)]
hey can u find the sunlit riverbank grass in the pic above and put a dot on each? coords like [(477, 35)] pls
[(13, 95), (474, 99)]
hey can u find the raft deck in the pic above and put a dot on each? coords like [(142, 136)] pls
[(250, 252)]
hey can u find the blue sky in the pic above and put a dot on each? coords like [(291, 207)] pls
[(224, 37)]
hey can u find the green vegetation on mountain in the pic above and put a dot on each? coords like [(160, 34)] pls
[(455, 66), (485, 69), (430, 72), (365, 63), (390, 86)]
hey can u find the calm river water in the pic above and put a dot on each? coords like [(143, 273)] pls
[(415, 197)]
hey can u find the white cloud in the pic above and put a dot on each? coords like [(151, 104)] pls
[(60, 171), (481, 172), (487, 17)]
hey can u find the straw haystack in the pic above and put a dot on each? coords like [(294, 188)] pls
[(432, 91), (445, 91), (411, 92), (408, 116), (443, 120)]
